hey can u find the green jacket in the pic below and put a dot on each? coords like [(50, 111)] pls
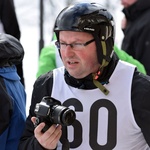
[(126, 57)]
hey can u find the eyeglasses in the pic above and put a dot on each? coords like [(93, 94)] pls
[(74, 46)]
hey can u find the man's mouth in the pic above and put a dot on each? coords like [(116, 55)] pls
[(72, 62)]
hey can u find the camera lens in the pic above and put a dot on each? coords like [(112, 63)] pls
[(68, 117), (63, 115)]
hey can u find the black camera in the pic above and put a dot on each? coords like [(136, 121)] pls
[(50, 111)]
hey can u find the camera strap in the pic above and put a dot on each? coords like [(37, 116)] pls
[(64, 140), (65, 144)]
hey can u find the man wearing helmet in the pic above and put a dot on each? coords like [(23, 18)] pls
[(110, 97)]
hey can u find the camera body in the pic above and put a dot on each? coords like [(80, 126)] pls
[(50, 111)]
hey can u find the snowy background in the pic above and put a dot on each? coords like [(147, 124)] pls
[(28, 14)]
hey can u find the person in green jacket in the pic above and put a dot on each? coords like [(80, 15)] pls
[(122, 55), (50, 59)]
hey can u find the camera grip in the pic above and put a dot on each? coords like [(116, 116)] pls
[(46, 127)]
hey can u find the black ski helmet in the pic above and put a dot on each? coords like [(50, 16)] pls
[(91, 18)]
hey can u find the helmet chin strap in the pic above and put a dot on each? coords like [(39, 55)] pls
[(96, 75)]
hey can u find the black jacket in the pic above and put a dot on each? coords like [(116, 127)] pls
[(136, 40), (140, 101)]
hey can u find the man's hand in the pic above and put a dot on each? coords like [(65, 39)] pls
[(50, 138)]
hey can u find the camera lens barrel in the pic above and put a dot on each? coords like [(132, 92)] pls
[(63, 115)]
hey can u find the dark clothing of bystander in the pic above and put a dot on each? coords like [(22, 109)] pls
[(136, 40), (12, 93), (10, 25)]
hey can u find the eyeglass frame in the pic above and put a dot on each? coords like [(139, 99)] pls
[(58, 44)]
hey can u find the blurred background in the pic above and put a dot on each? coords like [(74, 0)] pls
[(36, 19)]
